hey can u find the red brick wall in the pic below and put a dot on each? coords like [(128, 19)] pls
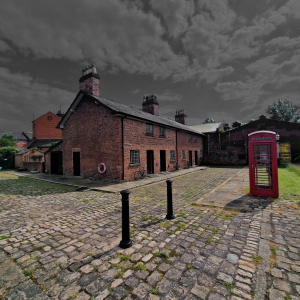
[(135, 138), (150, 108), (19, 161), (46, 129), (96, 134), (33, 166), (91, 84), (47, 158)]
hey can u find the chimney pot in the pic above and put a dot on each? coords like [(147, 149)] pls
[(90, 80), (180, 117), (150, 104)]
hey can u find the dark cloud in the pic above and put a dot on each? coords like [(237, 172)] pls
[(181, 48), (24, 97)]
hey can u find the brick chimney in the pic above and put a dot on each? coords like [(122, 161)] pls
[(90, 80), (180, 117), (150, 104)]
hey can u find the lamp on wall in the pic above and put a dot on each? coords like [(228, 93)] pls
[(277, 136)]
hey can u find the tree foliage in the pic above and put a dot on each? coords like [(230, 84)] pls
[(7, 157), (208, 120), (8, 141), (236, 124), (284, 110)]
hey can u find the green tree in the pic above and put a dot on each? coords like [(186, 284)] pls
[(8, 141), (236, 124), (284, 110), (7, 157), (208, 120)]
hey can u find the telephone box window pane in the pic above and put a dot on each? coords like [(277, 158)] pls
[(263, 167)]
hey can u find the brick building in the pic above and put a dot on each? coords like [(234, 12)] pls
[(231, 147), (23, 138), (98, 130), (30, 160), (44, 131)]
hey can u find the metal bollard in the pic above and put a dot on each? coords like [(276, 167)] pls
[(169, 215), (126, 241)]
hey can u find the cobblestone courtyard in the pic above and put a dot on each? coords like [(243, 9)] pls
[(56, 243)]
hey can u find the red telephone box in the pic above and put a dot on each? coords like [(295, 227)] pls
[(263, 168)]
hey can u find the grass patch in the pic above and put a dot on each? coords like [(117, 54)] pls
[(162, 255), (124, 257), (257, 259), (289, 188), (227, 285), (165, 224), (154, 291), (28, 272), (273, 250), (141, 266), (3, 237)]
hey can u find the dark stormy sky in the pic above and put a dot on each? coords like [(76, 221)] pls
[(224, 59)]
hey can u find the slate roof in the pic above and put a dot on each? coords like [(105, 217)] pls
[(42, 143), (207, 128), (18, 135), (23, 152), (120, 108)]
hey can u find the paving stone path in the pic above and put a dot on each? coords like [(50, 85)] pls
[(223, 244)]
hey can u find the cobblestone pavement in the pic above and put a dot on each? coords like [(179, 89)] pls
[(223, 244)]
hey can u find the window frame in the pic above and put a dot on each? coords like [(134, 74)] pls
[(195, 139), (171, 156), (133, 158), (162, 130), (183, 155), (147, 127), (190, 137)]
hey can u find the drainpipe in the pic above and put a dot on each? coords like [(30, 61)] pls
[(176, 152), (122, 130)]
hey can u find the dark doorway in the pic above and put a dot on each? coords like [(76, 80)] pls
[(190, 158), (76, 163), (56, 163), (150, 161), (196, 158), (163, 160)]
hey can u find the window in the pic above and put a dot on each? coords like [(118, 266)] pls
[(189, 137), (172, 154), (183, 155), (195, 139), (149, 129), (162, 131), (134, 156)]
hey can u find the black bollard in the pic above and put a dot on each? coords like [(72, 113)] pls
[(169, 215), (126, 241)]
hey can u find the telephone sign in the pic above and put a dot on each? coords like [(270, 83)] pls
[(263, 168)]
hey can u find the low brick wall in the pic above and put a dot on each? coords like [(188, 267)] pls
[(32, 166), (235, 157)]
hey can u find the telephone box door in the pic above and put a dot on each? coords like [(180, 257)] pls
[(263, 168)]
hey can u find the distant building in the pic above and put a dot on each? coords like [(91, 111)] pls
[(231, 147), (23, 138), (98, 130), (30, 160), (44, 131)]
